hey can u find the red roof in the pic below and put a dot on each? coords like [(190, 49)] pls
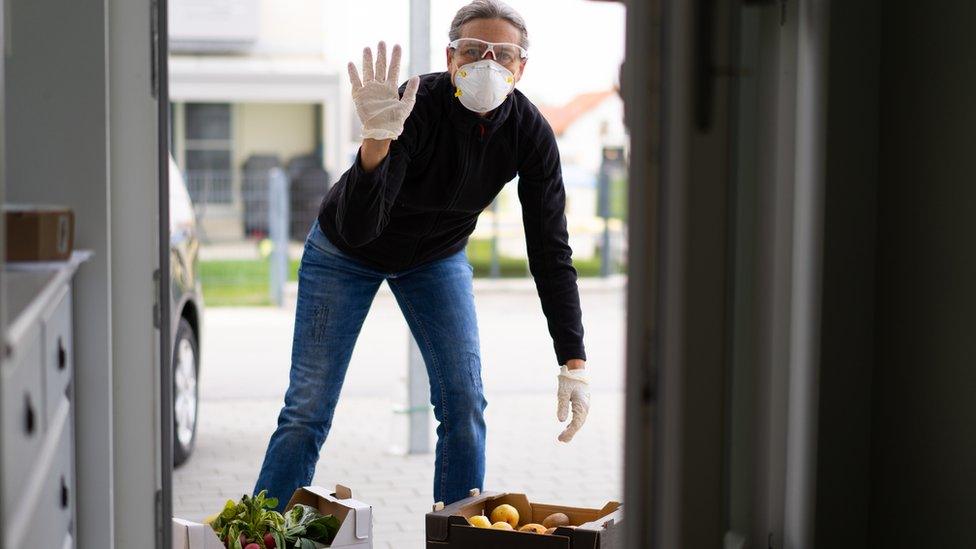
[(561, 118)]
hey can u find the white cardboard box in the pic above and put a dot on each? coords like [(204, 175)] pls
[(193, 535), (355, 517)]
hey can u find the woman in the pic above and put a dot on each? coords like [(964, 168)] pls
[(435, 153)]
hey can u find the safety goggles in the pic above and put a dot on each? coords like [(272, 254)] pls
[(470, 50)]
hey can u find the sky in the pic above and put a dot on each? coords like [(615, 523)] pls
[(576, 46)]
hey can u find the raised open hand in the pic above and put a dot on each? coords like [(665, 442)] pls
[(378, 102)]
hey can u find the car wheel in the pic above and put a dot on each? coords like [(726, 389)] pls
[(186, 359)]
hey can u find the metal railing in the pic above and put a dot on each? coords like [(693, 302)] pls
[(234, 204)]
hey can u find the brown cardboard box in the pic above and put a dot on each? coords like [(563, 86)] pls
[(448, 527), (39, 233)]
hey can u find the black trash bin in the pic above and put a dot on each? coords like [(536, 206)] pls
[(254, 192), (309, 183)]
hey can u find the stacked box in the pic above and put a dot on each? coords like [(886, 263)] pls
[(355, 517), (448, 526)]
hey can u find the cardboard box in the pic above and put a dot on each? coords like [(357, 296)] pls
[(355, 517), (193, 535), (39, 233), (448, 527)]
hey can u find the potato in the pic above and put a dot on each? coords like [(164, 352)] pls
[(555, 519)]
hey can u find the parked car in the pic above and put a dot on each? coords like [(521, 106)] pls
[(186, 308)]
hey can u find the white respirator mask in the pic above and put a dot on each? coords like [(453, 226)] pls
[(483, 85)]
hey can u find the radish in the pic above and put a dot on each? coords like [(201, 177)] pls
[(252, 546), (269, 541)]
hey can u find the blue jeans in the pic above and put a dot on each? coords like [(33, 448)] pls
[(334, 294)]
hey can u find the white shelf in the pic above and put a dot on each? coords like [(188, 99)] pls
[(37, 455), (31, 284)]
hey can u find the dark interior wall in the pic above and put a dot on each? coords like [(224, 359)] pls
[(924, 401), (847, 331)]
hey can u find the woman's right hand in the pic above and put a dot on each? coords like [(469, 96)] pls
[(378, 102)]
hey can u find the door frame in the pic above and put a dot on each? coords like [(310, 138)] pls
[(160, 59), (677, 109)]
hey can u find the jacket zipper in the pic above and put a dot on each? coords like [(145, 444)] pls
[(464, 180), (457, 194)]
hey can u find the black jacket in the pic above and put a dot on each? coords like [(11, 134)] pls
[(422, 202)]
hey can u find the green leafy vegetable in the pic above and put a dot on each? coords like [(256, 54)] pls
[(248, 520), (306, 528)]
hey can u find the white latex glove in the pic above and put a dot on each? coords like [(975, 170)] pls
[(376, 96), (573, 391)]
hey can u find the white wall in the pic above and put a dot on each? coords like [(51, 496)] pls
[(81, 132), (135, 256), (57, 133), (582, 143), (284, 129), (259, 27), (292, 26)]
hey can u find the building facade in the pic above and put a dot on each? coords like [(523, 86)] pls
[(252, 86)]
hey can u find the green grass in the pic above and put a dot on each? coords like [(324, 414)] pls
[(242, 282), (479, 255), (618, 198), (245, 282)]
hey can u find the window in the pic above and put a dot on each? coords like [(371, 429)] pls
[(208, 148)]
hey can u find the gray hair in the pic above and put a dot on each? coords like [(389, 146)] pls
[(488, 9)]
